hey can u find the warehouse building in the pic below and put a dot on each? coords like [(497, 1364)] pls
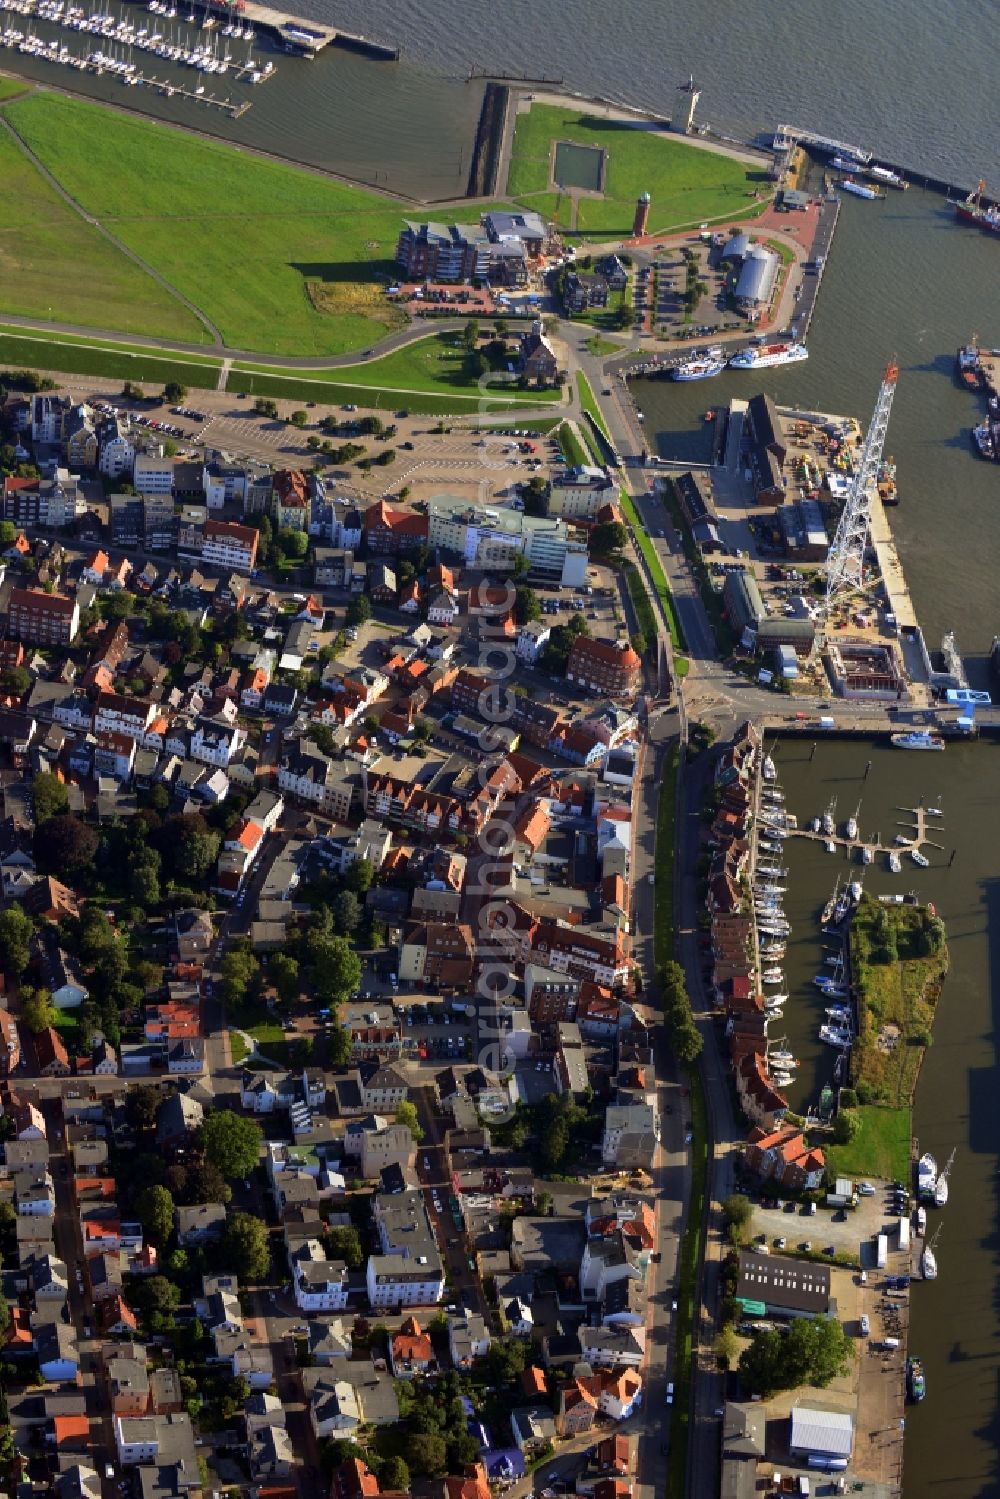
[(824, 1439), (785, 1287), (742, 602)]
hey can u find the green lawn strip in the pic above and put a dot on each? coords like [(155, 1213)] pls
[(687, 184), (306, 388), (689, 1279), (112, 345), (655, 568), (244, 237), (600, 346), (681, 666), (573, 450), (786, 253), (881, 1147), (239, 1050), (663, 863), (19, 352), (645, 618), (9, 87), (589, 403), (55, 265)]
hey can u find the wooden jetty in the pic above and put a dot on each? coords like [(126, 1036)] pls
[(920, 824)]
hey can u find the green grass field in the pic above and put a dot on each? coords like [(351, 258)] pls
[(254, 243), (687, 184), (655, 567), (55, 266), (148, 367), (880, 1148)]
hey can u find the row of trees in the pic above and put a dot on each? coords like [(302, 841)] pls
[(685, 1038)]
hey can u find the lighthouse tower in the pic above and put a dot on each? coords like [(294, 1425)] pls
[(641, 220), (686, 106)]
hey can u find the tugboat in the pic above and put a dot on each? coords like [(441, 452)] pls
[(916, 1385)]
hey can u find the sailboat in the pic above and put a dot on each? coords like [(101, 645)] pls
[(826, 915), (941, 1185), (928, 1259), (828, 824), (851, 825)]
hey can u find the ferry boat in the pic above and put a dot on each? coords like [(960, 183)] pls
[(892, 179), (698, 369), (859, 189), (766, 356), (916, 1385), (917, 739)]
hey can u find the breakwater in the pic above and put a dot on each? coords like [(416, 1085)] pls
[(488, 147)]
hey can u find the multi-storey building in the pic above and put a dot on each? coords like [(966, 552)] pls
[(604, 666), (42, 618), (225, 544)]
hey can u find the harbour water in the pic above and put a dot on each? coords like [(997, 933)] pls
[(951, 1443)]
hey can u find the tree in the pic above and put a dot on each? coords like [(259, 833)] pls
[(266, 408), (299, 418), (232, 1143), (611, 536), (16, 680), (726, 1346), (141, 1104), (737, 1209), (8, 532), (394, 1475), (174, 393), (64, 845), (427, 1454), (339, 1047), (283, 971), (475, 365), (336, 969), (554, 1145), (293, 544), (16, 932), (359, 611), (205, 1183), (188, 845), (808, 1353), (239, 969), (154, 1208), (343, 1242), (846, 1126), (470, 334), (359, 876), (246, 1246), (526, 605), (406, 1113), (639, 643), (37, 1010), (345, 908)]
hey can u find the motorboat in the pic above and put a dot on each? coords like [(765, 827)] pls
[(772, 1001), (867, 854), (927, 1175), (832, 1035), (919, 858), (768, 769), (773, 976), (782, 1079), (851, 825), (838, 1013), (895, 862), (916, 1384), (814, 825), (921, 1220), (783, 1057), (941, 1191), (830, 846), (856, 890), (828, 823), (928, 1263)]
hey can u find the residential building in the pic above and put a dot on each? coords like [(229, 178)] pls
[(41, 618), (605, 667), (443, 252), (227, 545), (153, 474)]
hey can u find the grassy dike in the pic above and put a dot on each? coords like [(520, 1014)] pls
[(655, 569)]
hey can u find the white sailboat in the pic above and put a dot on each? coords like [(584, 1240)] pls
[(828, 824), (941, 1185), (928, 1259), (851, 825)]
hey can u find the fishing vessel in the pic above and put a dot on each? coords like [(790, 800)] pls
[(917, 739), (895, 862), (859, 189), (916, 1385), (973, 211), (927, 1173), (698, 369), (766, 356)]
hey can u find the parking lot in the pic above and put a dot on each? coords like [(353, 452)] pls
[(841, 1229)]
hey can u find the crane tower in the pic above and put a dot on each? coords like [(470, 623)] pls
[(846, 557)]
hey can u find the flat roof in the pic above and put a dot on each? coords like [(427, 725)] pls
[(826, 1433)]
